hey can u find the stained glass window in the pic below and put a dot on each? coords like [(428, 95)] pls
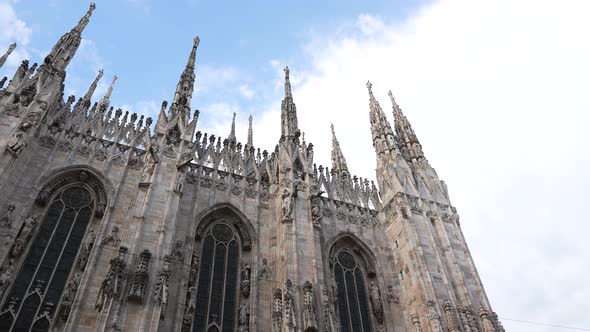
[(217, 282), (39, 284), (352, 295)]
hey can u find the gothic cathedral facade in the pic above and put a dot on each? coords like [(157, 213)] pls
[(110, 222)]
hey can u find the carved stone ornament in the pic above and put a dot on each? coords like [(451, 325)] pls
[(161, 287), (189, 311), (86, 248), (290, 317), (178, 252), (244, 317), (450, 316), (25, 234), (434, 317), (245, 283), (113, 239), (316, 212), (497, 323), (488, 325), (330, 324), (265, 271), (6, 220), (68, 296), (16, 144), (140, 278), (192, 278), (310, 322), (6, 275), (391, 297), (277, 310), (112, 284), (416, 323), (376, 303)]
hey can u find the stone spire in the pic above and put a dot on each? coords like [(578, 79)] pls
[(92, 88), (184, 89), (289, 126), (383, 138), (64, 50), (5, 55), (338, 161), (250, 132), (106, 100), (232, 133), (404, 131)]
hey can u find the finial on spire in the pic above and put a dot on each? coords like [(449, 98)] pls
[(92, 88), (3, 58), (232, 133), (250, 131), (85, 19), (338, 161), (191, 59), (104, 102), (288, 93)]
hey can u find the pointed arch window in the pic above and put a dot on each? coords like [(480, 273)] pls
[(34, 296), (215, 303), (352, 297)]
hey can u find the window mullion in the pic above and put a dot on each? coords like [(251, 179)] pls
[(26, 252)]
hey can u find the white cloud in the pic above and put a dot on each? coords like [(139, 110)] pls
[(497, 94), (147, 108), (246, 91), (13, 30)]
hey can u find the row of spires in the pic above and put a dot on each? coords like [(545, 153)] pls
[(178, 117)]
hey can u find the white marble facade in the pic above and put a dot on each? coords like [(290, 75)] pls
[(146, 199)]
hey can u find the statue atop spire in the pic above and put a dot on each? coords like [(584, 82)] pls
[(85, 19), (106, 100), (92, 88), (65, 49), (250, 132), (289, 127), (338, 162), (3, 58), (232, 133), (184, 89)]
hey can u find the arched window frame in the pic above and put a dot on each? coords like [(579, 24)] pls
[(365, 261), (51, 188), (220, 214)]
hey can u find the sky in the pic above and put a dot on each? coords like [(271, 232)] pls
[(496, 91)]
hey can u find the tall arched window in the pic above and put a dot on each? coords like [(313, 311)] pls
[(34, 296), (217, 282), (353, 305)]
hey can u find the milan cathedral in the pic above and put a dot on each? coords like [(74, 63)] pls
[(112, 222)]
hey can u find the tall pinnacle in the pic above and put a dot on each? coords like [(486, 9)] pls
[(184, 89), (250, 132), (383, 138), (289, 127), (338, 161), (65, 49), (404, 131), (106, 100), (232, 133), (5, 55), (92, 88)]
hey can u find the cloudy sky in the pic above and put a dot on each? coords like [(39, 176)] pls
[(497, 92)]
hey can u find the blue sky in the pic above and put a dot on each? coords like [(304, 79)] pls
[(497, 92)]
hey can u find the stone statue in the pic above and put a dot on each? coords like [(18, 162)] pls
[(287, 205), (329, 316), (265, 271), (310, 323), (86, 248), (316, 213), (434, 317), (244, 317), (194, 269), (375, 296), (245, 283), (177, 252), (16, 144), (68, 296), (24, 236), (140, 278), (161, 286), (289, 308), (112, 239), (6, 221), (112, 284), (277, 311), (6, 275)]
